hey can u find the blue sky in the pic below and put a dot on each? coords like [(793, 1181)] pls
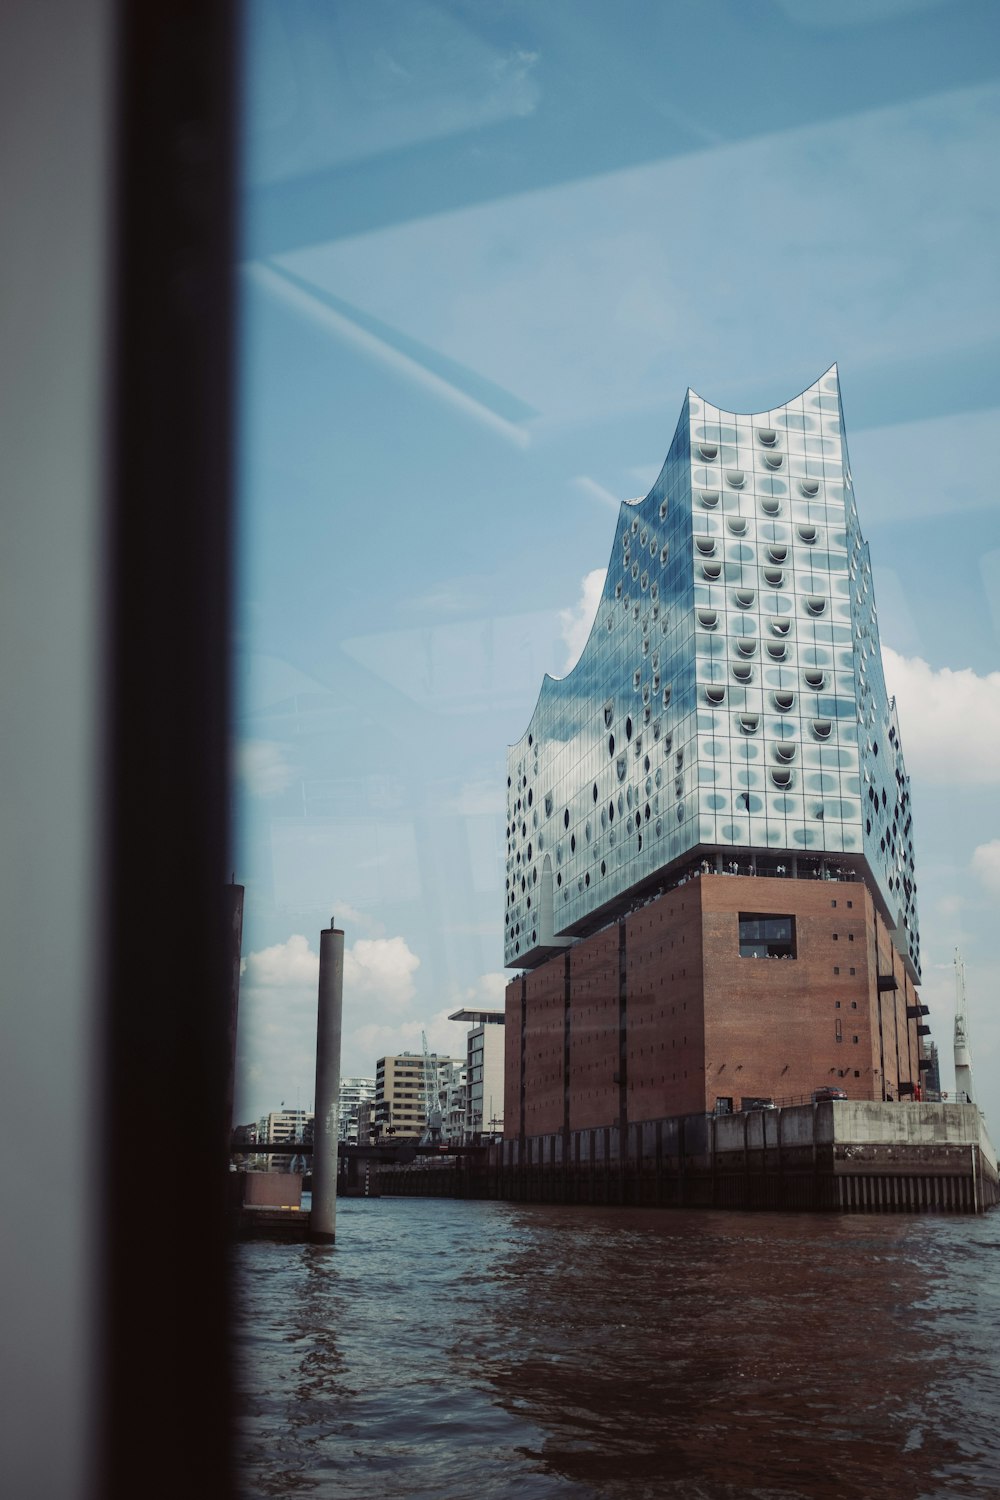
[(487, 249)]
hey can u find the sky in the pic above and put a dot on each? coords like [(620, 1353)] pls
[(487, 247)]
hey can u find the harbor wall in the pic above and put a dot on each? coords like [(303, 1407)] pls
[(840, 1156)]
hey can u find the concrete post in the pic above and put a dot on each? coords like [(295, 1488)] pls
[(234, 928), (323, 1219)]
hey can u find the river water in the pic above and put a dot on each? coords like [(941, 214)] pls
[(479, 1351)]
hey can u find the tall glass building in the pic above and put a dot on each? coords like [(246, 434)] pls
[(729, 711)]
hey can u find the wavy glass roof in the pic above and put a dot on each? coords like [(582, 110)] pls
[(730, 696)]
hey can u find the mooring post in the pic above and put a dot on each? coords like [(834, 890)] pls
[(234, 928), (329, 1016)]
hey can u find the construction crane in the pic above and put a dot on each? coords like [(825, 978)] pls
[(963, 1057), (432, 1128)]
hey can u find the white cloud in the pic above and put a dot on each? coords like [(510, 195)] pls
[(379, 1039), (488, 991), (277, 1028), (380, 969), (347, 915), (575, 623), (949, 720), (284, 965), (986, 865), (380, 1036), (263, 767)]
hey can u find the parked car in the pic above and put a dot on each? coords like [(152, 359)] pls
[(819, 1096)]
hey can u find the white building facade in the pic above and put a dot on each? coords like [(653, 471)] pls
[(484, 1073), (353, 1092), (285, 1127)]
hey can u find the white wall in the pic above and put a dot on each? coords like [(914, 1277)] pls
[(55, 90)]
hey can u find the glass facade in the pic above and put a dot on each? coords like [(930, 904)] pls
[(730, 696)]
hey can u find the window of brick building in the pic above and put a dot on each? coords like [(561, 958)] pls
[(765, 936)]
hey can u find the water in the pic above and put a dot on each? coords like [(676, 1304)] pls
[(473, 1351)]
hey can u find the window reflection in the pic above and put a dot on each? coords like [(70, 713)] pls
[(484, 255)]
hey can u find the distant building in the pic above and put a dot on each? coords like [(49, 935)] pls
[(710, 884), (353, 1092), (452, 1092), (933, 1074), (484, 1072), (403, 1090), (366, 1117), (286, 1126)]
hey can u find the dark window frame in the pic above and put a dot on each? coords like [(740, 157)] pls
[(767, 935)]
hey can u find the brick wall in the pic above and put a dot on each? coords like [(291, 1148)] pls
[(704, 1024), (772, 1024), (665, 1036), (543, 1051), (512, 1058), (593, 1032), (900, 1050)]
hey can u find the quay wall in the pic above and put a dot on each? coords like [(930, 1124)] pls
[(843, 1156)]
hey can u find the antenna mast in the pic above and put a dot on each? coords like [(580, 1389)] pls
[(963, 1058)]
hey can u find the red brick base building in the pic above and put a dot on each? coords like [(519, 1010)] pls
[(724, 991)]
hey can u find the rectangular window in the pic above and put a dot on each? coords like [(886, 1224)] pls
[(850, 903), (838, 1031), (764, 936)]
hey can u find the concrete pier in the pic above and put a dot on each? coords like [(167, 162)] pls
[(848, 1156), (323, 1218)]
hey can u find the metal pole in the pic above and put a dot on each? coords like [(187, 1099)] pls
[(323, 1218), (975, 1196), (234, 925)]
